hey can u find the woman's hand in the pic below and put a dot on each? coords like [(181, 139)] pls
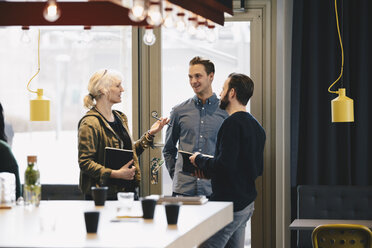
[(158, 126), (125, 172)]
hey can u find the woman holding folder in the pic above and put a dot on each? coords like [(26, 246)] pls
[(103, 127)]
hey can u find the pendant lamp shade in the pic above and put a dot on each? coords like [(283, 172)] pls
[(342, 107), (40, 107)]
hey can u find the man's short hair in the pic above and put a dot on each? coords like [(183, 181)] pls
[(243, 86), (208, 65)]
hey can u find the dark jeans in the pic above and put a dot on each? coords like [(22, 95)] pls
[(232, 235)]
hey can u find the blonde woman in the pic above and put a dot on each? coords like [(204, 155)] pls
[(104, 127)]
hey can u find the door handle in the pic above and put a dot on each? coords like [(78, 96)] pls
[(154, 115), (155, 165)]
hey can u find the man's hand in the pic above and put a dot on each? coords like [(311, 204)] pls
[(199, 174), (192, 158)]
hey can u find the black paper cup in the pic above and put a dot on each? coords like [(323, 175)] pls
[(99, 195), (148, 208), (172, 210), (91, 221)]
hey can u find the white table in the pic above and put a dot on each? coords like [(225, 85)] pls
[(20, 227)]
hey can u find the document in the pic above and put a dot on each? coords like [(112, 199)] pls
[(187, 166), (115, 158)]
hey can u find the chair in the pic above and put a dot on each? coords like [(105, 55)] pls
[(342, 236), (331, 202)]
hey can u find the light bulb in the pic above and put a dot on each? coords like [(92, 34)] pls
[(138, 12), (191, 27), (25, 37), (200, 31), (51, 11), (86, 36), (211, 34), (154, 16), (168, 20), (149, 37), (180, 24)]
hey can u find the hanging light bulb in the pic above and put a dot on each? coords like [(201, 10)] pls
[(191, 26), (25, 37), (154, 15), (51, 12), (200, 32), (181, 24), (86, 36), (149, 37), (138, 12), (211, 33), (168, 20)]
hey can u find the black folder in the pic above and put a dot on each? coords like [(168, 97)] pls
[(115, 158), (187, 166)]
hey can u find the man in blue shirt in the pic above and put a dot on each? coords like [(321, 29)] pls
[(194, 124)]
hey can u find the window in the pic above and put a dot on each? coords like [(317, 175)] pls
[(69, 56)]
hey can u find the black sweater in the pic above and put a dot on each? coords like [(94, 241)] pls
[(237, 162)]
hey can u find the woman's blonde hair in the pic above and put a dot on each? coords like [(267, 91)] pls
[(99, 85)]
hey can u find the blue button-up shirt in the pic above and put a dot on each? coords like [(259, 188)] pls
[(194, 126)]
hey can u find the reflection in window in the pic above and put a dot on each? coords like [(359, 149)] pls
[(69, 56)]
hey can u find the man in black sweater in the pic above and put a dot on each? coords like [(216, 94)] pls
[(238, 160)]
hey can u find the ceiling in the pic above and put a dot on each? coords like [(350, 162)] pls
[(99, 12)]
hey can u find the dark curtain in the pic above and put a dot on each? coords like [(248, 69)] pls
[(322, 152)]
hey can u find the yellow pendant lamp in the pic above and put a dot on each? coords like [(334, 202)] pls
[(40, 106), (342, 107)]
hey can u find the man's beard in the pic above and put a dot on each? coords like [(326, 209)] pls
[(224, 102)]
